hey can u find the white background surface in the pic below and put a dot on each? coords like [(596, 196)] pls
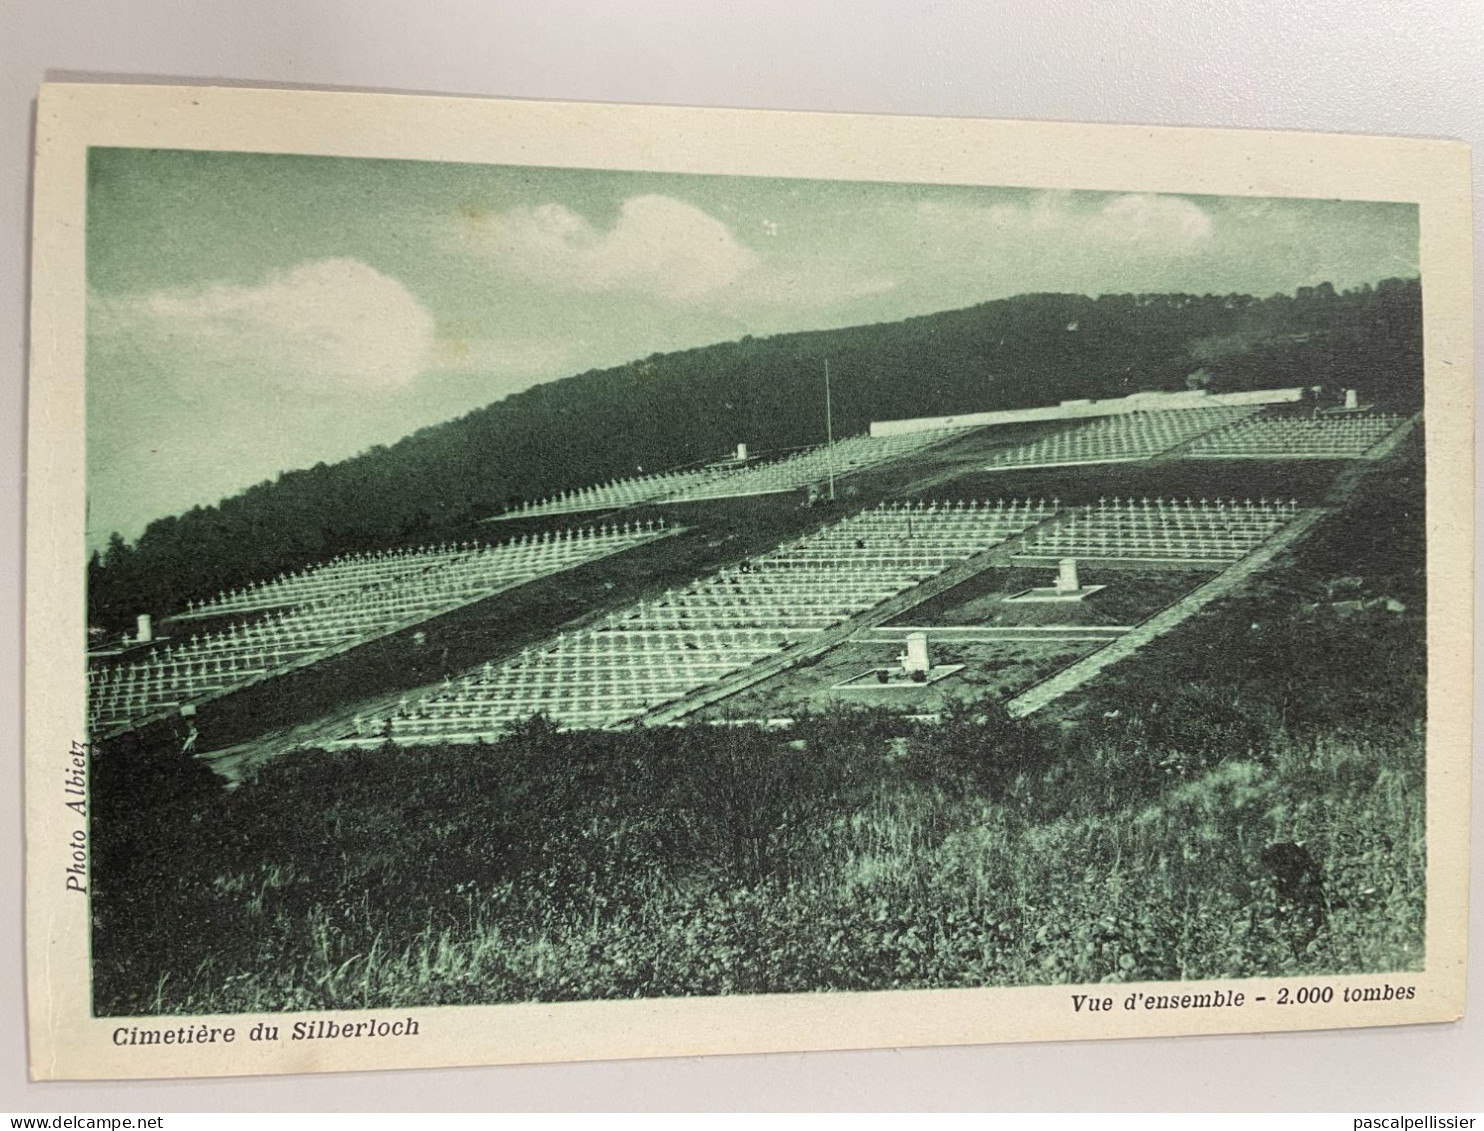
[(1389, 66)]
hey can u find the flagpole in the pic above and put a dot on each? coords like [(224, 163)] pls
[(829, 427)]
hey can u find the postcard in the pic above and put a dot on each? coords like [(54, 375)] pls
[(518, 581)]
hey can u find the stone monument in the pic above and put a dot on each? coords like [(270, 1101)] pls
[(915, 658), (1067, 586)]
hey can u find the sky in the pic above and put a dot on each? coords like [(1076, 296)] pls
[(250, 314)]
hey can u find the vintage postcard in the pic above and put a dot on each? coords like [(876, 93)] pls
[(520, 581)]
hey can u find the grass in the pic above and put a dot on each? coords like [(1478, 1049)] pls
[(1304, 480), (605, 869)]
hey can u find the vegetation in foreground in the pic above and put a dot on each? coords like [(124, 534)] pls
[(847, 856)]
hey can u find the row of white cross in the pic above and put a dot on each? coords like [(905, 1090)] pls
[(813, 465), (616, 494), (209, 664), (844, 457), (1130, 436), (349, 572), (1345, 437), (1163, 531)]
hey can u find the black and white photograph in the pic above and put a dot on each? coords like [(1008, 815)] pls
[(514, 583)]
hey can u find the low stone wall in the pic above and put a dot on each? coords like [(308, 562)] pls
[(1077, 410)]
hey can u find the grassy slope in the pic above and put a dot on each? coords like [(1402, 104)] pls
[(1119, 841), (908, 886), (723, 532)]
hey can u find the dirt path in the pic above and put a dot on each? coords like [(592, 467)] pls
[(993, 634)]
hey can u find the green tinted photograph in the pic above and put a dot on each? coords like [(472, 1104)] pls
[(522, 584)]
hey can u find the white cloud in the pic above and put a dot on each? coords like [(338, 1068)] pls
[(660, 248), (1134, 222), (328, 325), (658, 245), (1168, 223)]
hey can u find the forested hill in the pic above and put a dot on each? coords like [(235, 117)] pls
[(696, 405)]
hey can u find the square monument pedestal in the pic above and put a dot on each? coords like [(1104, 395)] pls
[(917, 670), (1067, 587), (896, 679), (1052, 593)]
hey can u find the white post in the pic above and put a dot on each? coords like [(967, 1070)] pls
[(146, 629), (741, 453), (1351, 399)]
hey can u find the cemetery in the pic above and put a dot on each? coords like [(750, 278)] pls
[(980, 640), (1139, 556), (962, 668), (917, 799), (658, 651), (1162, 530), (319, 612), (809, 739), (617, 495), (654, 652), (1119, 439), (816, 465), (1070, 578), (1333, 436), (1249, 431), (740, 476)]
